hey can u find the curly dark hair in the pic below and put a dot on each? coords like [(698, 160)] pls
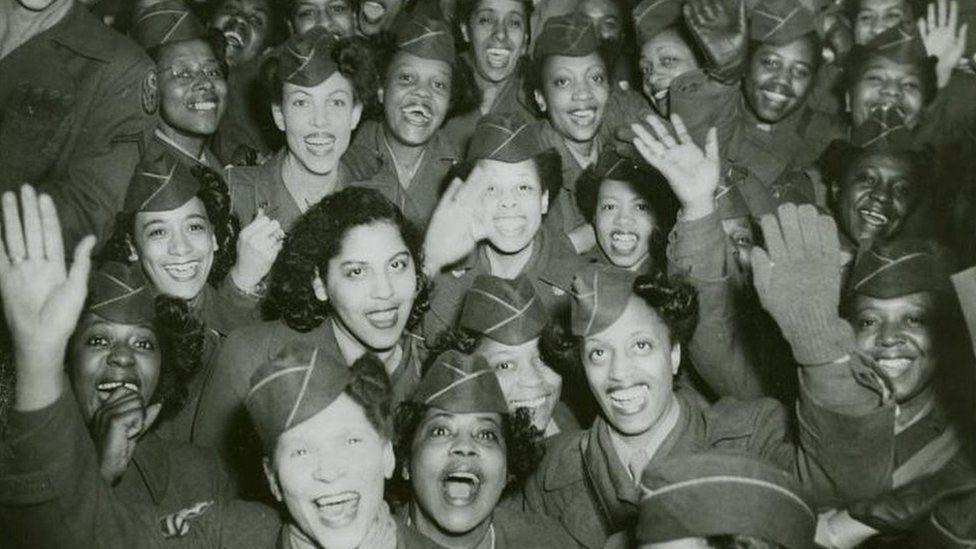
[(316, 239), (674, 300), (523, 451), (371, 388), (356, 61), (216, 201), (181, 337), (465, 93)]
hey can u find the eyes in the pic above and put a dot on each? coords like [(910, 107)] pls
[(505, 365), (489, 19), (161, 232), (187, 75), (597, 78), (612, 205), (303, 102), (903, 81), (911, 320), (889, 18), (485, 433), (360, 271), (522, 188), (775, 63), (600, 354), (407, 78), (103, 341)]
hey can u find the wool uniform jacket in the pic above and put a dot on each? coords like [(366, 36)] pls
[(515, 529), (418, 197), (87, 163), (52, 494), (550, 269), (158, 140), (583, 484), (221, 420), (510, 100), (406, 538), (262, 187)]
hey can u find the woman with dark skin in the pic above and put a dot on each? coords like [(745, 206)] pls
[(348, 280)]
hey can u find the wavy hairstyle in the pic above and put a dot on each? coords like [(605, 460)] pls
[(216, 201), (181, 336), (673, 300), (356, 61), (318, 237)]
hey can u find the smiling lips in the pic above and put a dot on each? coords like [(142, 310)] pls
[(623, 242), (384, 319), (338, 510), (629, 400), (320, 143), (373, 11), (510, 225), (234, 39), (183, 272), (584, 117), (873, 217), (417, 114), (106, 388), (498, 58)]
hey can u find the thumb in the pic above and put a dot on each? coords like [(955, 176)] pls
[(81, 264)]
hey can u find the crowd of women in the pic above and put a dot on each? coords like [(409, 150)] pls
[(484, 274)]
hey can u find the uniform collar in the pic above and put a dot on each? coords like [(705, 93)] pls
[(206, 157), (352, 350)]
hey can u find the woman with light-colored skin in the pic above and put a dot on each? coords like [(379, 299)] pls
[(317, 102)]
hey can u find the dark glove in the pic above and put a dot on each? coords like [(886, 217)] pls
[(720, 30), (30, 139)]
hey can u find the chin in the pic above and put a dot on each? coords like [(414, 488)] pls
[(508, 245), (319, 166)]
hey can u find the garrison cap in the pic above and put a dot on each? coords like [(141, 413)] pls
[(120, 293), (884, 129), (653, 16), (307, 59), (901, 44), (721, 493), (424, 37), (162, 181), (901, 267), (572, 35), (507, 138), (507, 311), (297, 383), (164, 23), (600, 295), (622, 168), (461, 384), (779, 22)]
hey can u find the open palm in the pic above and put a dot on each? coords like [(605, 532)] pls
[(692, 173)]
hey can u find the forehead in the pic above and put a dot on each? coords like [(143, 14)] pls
[(599, 8), (263, 6), (565, 62), (342, 416), (405, 59), (502, 6), (187, 50), (881, 5), (883, 64), (924, 301), (799, 50), (471, 418), (336, 82), (615, 188), (91, 320), (667, 38), (191, 208), (488, 346), (378, 240), (316, 3), (889, 163), (504, 172)]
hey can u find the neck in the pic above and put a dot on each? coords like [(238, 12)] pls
[(189, 143), (651, 439), (489, 91), (312, 185), (299, 540), (505, 265), (909, 410), (581, 150), (351, 348), (449, 540), (405, 155), (19, 24)]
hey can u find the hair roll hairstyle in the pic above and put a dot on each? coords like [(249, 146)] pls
[(216, 201), (372, 390), (181, 336), (316, 239), (356, 61)]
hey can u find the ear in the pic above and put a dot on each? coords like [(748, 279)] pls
[(464, 32), (389, 460), (215, 245), (318, 286), (539, 100), (380, 94), (133, 253), (545, 202), (279, 117), (847, 101), (675, 358), (357, 113), (272, 477)]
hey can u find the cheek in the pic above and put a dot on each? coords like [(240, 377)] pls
[(406, 282), (344, 295), (149, 367)]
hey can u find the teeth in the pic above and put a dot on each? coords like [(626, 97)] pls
[(234, 38), (203, 106), (498, 57), (894, 363), (627, 238), (510, 225), (583, 117), (661, 94), (383, 316), (529, 403), (873, 217), (464, 477), (775, 96), (630, 400), (629, 393), (182, 271), (110, 386), (326, 501), (417, 114)]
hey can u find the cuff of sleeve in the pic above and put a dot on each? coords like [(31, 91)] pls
[(817, 336), (689, 245)]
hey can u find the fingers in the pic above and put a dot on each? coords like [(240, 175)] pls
[(53, 242), (809, 223), (761, 267), (33, 239), (152, 413), (649, 147), (711, 144), (789, 223), (13, 232), (829, 241), (662, 132), (961, 38), (953, 18), (775, 246), (680, 131), (81, 264)]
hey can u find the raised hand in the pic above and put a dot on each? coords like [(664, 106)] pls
[(719, 31), (257, 248), (458, 222), (41, 299), (798, 278), (692, 173), (116, 427), (943, 37)]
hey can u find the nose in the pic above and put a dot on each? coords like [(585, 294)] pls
[(179, 244), (121, 357), (618, 368), (319, 116), (890, 335), (382, 286), (463, 446), (507, 199), (582, 90), (882, 193), (890, 88), (498, 32), (533, 375), (328, 470)]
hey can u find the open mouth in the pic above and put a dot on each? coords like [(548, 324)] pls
[(383, 319), (337, 510), (629, 400), (531, 403), (183, 271), (207, 103), (872, 217), (775, 96), (583, 117), (510, 226), (660, 94), (373, 12), (234, 39), (460, 488), (498, 57), (320, 144), (894, 367), (106, 388), (623, 242), (417, 114)]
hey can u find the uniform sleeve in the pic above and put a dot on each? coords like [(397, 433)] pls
[(697, 251), (106, 155), (232, 308)]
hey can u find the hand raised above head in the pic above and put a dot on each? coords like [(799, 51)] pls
[(719, 29)]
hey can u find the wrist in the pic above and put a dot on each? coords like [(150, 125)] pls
[(697, 210), (245, 283)]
